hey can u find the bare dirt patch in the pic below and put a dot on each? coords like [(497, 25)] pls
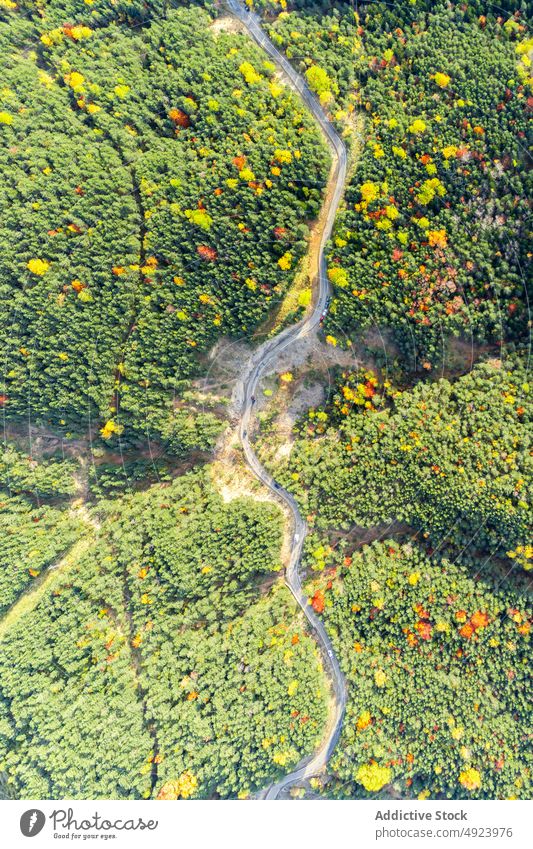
[(358, 536), (311, 354), (461, 356), (227, 23), (39, 442), (311, 364), (292, 405), (381, 339)]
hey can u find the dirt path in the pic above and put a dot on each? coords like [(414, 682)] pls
[(31, 597), (263, 360)]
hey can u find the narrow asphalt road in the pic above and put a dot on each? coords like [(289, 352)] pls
[(257, 366)]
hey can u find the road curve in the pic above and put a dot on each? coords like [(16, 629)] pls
[(258, 365)]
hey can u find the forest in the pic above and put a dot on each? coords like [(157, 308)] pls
[(156, 662), (161, 193), (157, 187), (438, 662), (433, 242), (426, 452), (432, 620), (148, 207)]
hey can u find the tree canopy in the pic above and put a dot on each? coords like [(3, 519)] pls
[(152, 660)]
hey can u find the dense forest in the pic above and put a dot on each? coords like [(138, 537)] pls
[(148, 206), (438, 666), (431, 625), (160, 195), (154, 662), (451, 459), (434, 240)]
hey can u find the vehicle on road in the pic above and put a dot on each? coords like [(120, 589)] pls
[(325, 310)]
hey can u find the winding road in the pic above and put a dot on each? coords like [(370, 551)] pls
[(258, 365)]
